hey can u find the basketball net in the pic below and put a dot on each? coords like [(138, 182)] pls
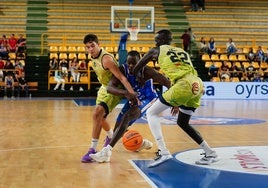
[(133, 31)]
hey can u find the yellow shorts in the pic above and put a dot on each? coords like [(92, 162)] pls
[(110, 100), (186, 91)]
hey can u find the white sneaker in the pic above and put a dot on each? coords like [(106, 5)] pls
[(103, 156), (71, 88), (208, 159), (146, 144), (160, 158), (81, 89)]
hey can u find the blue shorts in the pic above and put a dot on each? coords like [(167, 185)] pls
[(145, 104)]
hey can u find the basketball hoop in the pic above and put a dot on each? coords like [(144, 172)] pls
[(133, 31)]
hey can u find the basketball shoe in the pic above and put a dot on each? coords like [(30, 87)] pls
[(208, 159), (146, 144), (160, 158), (86, 158), (107, 141), (103, 156)]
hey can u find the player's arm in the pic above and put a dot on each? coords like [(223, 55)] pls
[(150, 73), (108, 63), (152, 54), (115, 87)]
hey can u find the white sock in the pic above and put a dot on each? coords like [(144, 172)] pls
[(94, 143), (154, 124), (110, 133), (204, 145)]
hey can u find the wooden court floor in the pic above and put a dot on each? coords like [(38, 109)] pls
[(42, 141)]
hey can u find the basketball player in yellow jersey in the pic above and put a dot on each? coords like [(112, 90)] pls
[(186, 92), (105, 65)]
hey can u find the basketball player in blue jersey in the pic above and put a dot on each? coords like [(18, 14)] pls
[(129, 113), (105, 66), (185, 92)]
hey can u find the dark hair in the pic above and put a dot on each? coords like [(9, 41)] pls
[(166, 35), (134, 53), (91, 38)]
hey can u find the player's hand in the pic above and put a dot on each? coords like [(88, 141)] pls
[(132, 98), (174, 111)]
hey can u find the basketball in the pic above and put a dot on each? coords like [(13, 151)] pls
[(132, 140), (116, 25)]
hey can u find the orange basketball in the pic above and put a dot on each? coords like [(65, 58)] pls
[(132, 140)]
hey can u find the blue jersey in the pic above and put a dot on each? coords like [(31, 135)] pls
[(146, 94)]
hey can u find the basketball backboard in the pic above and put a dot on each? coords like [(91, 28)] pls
[(124, 18)]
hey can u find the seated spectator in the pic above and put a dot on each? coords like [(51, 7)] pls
[(23, 85), (2, 65), (251, 55), (211, 46), (12, 43), (3, 47), (265, 75), (244, 77), (231, 47), (53, 64), (234, 70), (203, 48), (256, 77), (10, 68), (250, 71), (9, 85), (21, 44), (260, 55), (213, 71), (224, 71), (60, 79), (64, 65), (19, 69)]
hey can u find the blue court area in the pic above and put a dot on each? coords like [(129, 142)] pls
[(232, 171)]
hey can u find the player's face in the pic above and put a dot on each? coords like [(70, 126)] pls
[(157, 39), (132, 61), (93, 48)]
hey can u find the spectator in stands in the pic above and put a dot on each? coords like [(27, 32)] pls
[(192, 40), (213, 71), (21, 44), (211, 46), (251, 55), (234, 70), (19, 69), (64, 65), (10, 68), (9, 85), (224, 71), (3, 47), (12, 43), (244, 77), (260, 55), (231, 47), (53, 64), (23, 85), (250, 70), (203, 48), (59, 78), (256, 77), (265, 75), (186, 39), (201, 5), (194, 5), (2, 65)]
